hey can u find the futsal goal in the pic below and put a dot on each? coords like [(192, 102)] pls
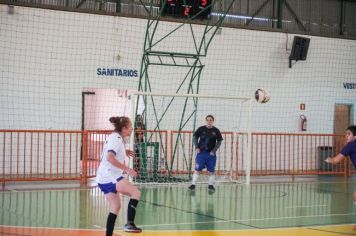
[(163, 136)]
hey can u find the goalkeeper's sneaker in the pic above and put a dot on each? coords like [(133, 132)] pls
[(211, 188), (192, 187), (131, 228)]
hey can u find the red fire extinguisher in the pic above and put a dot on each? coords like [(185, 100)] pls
[(303, 123)]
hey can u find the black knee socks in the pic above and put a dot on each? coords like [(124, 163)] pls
[(131, 210), (110, 224)]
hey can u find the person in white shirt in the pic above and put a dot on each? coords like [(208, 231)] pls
[(110, 177)]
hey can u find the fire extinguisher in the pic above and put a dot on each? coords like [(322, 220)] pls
[(303, 123)]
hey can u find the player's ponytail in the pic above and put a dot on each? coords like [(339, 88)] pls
[(119, 122), (113, 119)]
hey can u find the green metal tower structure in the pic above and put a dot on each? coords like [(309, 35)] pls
[(190, 62)]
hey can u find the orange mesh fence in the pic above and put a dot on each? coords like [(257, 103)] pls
[(291, 154), (40, 155), (65, 155)]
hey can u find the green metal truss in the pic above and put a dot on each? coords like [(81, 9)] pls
[(191, 61)]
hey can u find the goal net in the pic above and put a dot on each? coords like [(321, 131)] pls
[(163, 139)]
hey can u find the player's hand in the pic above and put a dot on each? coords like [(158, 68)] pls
[(130, 153), (197, 150), (329, 160), (212, 154), (131, 172)]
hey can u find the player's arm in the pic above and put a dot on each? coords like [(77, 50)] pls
[(334, 160), (112, 159), (195, 140), (217, 145), (219, 140)]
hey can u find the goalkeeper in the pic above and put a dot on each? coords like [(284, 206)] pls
[(207, 140)]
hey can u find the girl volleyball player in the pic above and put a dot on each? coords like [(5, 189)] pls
[(207, 140), (348, 150), (110, 177)]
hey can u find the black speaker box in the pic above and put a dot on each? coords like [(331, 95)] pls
[(300, 48)]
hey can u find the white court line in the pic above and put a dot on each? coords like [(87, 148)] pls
[(246, 220), (225, 230), (306, 206), (234, 230)]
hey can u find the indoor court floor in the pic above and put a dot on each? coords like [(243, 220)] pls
[(305, 208)]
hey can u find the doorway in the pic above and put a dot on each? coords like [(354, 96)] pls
[(101, 104), (342, 119), (98, 105)]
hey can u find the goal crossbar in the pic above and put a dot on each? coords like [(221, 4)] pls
[(191, 95)]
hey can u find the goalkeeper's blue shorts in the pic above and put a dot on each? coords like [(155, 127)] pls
[(205, 160)]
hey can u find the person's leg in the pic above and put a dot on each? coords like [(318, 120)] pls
[(211, 187), (128, 189), (114, 205), (199, 166), (195, 177), (211, 163), (194, 180)]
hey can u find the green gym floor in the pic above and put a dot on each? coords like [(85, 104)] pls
[(306, 208)]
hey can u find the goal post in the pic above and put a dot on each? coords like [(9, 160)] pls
[(164, 150)]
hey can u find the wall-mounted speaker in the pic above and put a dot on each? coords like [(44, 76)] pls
[(300, 48)]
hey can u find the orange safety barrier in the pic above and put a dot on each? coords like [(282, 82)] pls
[(292, 154), (31, 155), (271, 154), (40, 155)]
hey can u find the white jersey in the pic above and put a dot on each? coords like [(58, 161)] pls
[(107, 172)]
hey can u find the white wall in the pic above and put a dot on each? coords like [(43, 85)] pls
[(47, 58), (102, 105)]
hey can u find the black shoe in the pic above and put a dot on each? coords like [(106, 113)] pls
[(131, 228), (211, 188), (192, 187)]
